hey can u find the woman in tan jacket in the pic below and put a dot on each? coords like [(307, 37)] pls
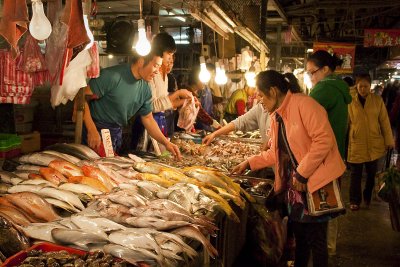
[(369, 137)]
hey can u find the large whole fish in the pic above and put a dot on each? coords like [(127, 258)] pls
[(130, 255), (66, 168), (6, 177), (69, 158), (41, 231), (99, 175), (34, 205), (38, 158), (62, 195), (11, 240), (53, 175), (14, 215), (76, 237), (156, 223), (80, 189), (92, 182), (28, 167), (76, 150)]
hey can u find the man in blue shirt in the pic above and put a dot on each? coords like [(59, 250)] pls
[(119, 93)]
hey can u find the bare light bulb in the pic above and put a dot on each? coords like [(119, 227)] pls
[(88, 32), (220, 77), (39, 27), (250, 76), (142, 46), (204, 74)]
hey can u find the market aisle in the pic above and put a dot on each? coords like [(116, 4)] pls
[(366, 238)]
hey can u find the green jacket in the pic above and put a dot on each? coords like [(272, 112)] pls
[(333, 94)]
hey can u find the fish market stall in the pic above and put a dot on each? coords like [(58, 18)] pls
[(136, 210)]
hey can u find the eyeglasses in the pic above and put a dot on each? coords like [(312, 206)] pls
[(311, 73)]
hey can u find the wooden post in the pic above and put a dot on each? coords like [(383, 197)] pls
[(80, 108)]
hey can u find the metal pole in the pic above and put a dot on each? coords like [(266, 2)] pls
[(80, 104), (278, 47)]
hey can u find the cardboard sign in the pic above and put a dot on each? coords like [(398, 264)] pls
[(107, 142)]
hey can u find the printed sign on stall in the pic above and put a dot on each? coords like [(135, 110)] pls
[(344, 51), (381, 37)]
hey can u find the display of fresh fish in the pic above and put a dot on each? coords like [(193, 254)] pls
[(34, 205), (115, 176), (80, 189), (222, 203), (14, 215), (136, 158), (194, 233), (158, 224), (16, 180), (7, 176), (66, 168), (11, 240), (25, 188), (163, 239), (76, 237), (69, 158), (35, 176), (62, 205), (24, 175), (106, 224), (37, 182), (62, 195), (88, 225), (115, 163), (92, 182), (4, 188), (53, 175), (38, 158), (41, 231), (28, 167), (127, 198), (148, 167), (99, 175), (76, 150), (155, 178)]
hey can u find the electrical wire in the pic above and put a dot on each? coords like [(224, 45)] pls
[(140, 8), (215, 47)]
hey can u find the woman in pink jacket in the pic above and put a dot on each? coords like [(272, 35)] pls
[(303, 124)]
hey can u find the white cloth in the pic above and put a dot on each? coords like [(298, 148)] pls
[(254, 119), (74, 79), (159, 92)]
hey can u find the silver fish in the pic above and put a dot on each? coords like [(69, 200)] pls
[(88, 225), (37, 182), (38, 158), (24, 175), (127, 198), (69, 158), (118, 178), (76, 237), (28, 167), (25, 188), (136, 158), (158, 224), (6, 176), (148, 167), (76, 150), (41, 231), (61, 204), (80, 189), (62, 195)]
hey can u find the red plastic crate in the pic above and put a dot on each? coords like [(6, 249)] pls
[(18, 258)]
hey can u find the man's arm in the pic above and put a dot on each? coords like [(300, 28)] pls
[(154, 131)]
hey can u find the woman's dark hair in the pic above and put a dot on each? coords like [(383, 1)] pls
[(284, 82), (322, 58), (365, 77), (349, 81), (163, 42)]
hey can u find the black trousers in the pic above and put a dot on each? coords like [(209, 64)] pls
[(356, 177), (311, 237)]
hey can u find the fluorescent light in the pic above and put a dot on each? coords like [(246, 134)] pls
[(181, 41), (177, 17), (310, 50), (220, 22)]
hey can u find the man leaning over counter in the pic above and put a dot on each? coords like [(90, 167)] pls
[(121, 92)]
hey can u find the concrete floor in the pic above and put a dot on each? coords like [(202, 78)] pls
[(366, 238)]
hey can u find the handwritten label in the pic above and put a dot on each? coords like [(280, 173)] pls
[(107, 142)]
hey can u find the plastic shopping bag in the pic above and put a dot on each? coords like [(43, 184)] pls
[(31, 59), (188, 114)]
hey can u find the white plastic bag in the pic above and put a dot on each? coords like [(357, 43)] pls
[(188, 114)]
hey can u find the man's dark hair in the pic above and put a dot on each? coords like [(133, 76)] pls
[(149, 57), (163, 42)]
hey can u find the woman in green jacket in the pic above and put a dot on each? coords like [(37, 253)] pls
[(369, 137)]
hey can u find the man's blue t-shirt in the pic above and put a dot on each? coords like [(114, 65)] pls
[(120, 95)]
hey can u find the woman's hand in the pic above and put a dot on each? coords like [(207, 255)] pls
[(239, 169), (208, 139), (174, 150), (94, 140)]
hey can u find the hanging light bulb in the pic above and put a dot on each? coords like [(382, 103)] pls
[(142, 46), (39, 27), (88, 32), (204, 74), (250, 76), (220, 77)]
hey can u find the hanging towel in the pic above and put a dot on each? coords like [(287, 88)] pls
[(14, 22)]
